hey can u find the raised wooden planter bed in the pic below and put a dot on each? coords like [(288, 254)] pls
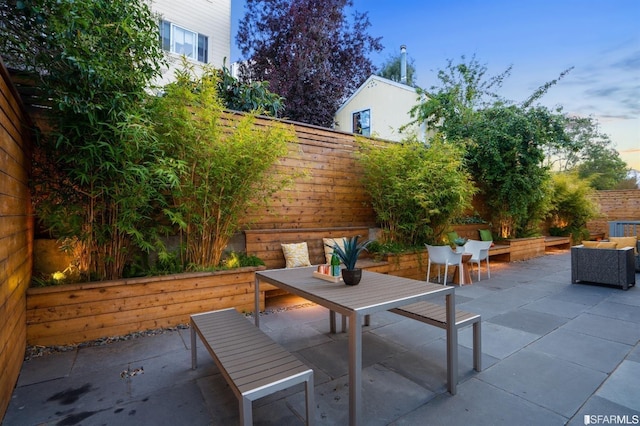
[(76, 313), (525, 248), (407, 265)]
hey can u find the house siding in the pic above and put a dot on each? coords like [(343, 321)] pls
[(389, 103), (208, 17)]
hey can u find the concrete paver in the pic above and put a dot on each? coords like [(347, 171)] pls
[(553, 353)]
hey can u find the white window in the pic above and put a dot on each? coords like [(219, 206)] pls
[(183, 41), (362, 122)]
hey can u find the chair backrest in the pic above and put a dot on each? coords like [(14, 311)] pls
[(478, 249), (443, 255)]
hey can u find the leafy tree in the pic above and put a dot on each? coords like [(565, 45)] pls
[(308, 51), (589, 152), (603, 167), (416, 189), (504, 141), (391, 69), (248, 97), (102, 172), (463, 89), (505, 158)]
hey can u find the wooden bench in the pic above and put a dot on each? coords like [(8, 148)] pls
[(250, 361), (557, 242), (432, 314), (500, 250), (265, 243)]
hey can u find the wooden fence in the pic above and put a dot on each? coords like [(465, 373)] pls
[(16, 235), (326, 192), (615, 205)]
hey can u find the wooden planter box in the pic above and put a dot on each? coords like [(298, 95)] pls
[(76, 313), (525, 248), (409, 265)]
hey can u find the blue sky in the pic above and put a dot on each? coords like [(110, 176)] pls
[(540, 39)]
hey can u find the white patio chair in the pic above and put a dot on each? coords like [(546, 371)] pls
[(443, 255), (479, 251)]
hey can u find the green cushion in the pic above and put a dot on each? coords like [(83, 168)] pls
[(485, 235), (451, 236)]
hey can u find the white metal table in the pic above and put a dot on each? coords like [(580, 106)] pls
[(375, 293)]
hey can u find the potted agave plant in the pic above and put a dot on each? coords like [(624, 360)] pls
[(348, 255)]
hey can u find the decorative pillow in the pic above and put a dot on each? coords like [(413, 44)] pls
[(625, 242), (328, 251), (485, 235), (296, 254), (590, 244), (607, 245), (452, 236)]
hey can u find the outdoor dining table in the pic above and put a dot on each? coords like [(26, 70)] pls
[(375, 293)]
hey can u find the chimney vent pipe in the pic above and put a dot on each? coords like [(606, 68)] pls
[(403, 64)]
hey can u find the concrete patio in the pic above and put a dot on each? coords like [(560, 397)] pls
[(552, 353)]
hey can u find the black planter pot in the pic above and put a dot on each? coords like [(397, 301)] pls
[(351, 276)]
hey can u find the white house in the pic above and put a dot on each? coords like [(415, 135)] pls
[(379, 107), (197, 29)]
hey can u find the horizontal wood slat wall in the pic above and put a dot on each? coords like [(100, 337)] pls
[(615, 205), (78, 313), (326, 192), (16, 235), (266, 244)]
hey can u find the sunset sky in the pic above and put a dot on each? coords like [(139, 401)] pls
[(540, 38)]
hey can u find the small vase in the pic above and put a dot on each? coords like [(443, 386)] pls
[(351, 276)]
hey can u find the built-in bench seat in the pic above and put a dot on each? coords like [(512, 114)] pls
[(265, 243), (250, 361), (562, 243), (499, 249)]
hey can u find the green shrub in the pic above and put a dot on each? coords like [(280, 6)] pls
[(416, 189), (572, 206), (98, 175), (224, 172)]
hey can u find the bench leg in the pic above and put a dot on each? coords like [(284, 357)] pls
[(311, 407), (477, 346), (194, 351), (246, 414)]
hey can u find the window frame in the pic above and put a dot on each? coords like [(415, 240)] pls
[(168, 40), (364, 127)]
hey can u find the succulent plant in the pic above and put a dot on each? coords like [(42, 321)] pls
[(460, 241), (351, 251)]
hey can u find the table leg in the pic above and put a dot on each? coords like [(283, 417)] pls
[(256, 308), (355, 369), (452, 344)]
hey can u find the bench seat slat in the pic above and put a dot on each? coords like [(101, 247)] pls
[(249, 360), (434, 312), (436, 315)]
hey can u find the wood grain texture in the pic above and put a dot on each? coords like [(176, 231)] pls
[(16, 234), (614, 205)]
